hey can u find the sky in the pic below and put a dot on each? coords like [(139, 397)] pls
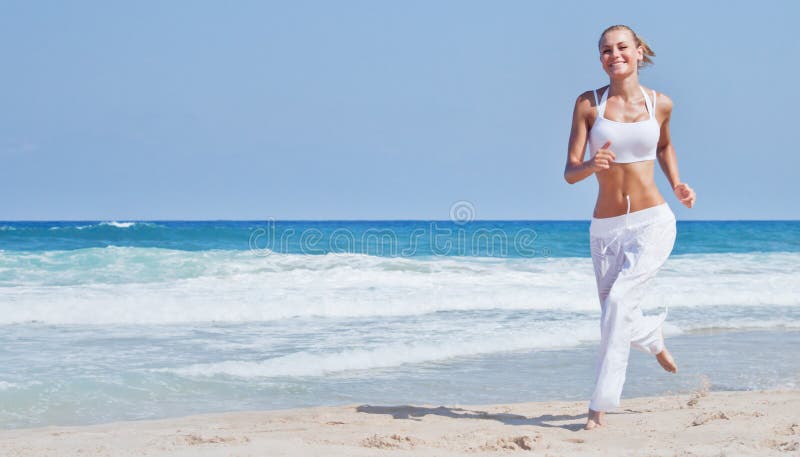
[(155, 110)]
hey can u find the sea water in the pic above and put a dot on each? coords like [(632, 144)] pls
[(119, 320)]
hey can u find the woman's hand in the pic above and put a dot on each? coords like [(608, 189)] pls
[(685, 194), (602, 160)]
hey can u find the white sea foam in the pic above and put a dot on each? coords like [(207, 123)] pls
[(157, 286), (70, 227), (428, 349), (114, 224), (8, 385), (742, 323), (119, 224)]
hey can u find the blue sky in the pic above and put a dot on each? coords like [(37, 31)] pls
[(375, 109)]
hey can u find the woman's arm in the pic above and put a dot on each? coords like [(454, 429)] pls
[(667, 158), (576, 169)]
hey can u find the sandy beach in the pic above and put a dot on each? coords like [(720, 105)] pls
[(697, 424)]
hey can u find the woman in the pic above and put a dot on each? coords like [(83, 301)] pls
[(633, 229)]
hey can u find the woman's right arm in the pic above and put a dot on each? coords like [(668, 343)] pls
[(576, 169)]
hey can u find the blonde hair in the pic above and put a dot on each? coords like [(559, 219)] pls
[(639, 42)]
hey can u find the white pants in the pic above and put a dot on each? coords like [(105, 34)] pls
[(627, 251)]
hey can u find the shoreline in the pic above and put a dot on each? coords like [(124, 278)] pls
[(700, 423)]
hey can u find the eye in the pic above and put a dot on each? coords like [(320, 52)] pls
[(623, 47)]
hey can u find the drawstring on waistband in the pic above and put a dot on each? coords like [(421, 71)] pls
[(627, 213)]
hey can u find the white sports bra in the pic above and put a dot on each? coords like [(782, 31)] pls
[(630, 141)]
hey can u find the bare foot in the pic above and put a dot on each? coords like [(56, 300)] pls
[(666, 361), (596, 419)]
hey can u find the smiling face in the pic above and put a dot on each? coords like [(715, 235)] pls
[(619, 53)]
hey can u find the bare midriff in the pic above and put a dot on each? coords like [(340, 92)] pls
[(626, 179)]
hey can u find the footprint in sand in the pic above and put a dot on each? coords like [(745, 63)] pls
[(196, 440), (575, 440), (514, 443), (708, 417), (390, 442), (783, 446), (789, 430)]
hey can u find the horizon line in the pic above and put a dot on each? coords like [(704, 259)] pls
[(120, 220)]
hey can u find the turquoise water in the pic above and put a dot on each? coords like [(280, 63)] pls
[(103, 321), (406, 238)]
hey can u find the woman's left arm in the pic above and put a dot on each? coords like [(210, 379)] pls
[(666, 155)]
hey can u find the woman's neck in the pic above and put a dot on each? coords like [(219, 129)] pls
[(626, 88)]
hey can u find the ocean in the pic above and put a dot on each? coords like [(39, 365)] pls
[(121, 320)]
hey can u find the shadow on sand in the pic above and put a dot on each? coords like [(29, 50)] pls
[(416, 412)]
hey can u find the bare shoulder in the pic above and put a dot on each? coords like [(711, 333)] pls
[(585, 103), (664, 104), (586, 98)]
